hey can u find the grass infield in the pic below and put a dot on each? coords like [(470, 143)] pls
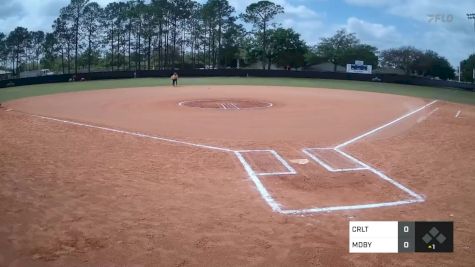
[(448, 94)]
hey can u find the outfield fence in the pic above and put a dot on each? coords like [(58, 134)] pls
[(385, 78)]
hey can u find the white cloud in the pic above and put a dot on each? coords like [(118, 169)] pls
[(311, 30), (32, 14), (375, 34), (298, 16), (301, 11), (372, 30), (453, 39), (303, 20)]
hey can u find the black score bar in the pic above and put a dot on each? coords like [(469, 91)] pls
[(433, 237), (401, 237)]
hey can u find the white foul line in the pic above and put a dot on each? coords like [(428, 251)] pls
[(261, 188), (277, 207), (432, 112), (458, 114), (252, 175), (384, 126), (415, 197), (135, 134)]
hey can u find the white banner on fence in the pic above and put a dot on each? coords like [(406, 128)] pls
[(354, 68), (359, 67)]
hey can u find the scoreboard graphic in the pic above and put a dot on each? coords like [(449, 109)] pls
[(400, 237)]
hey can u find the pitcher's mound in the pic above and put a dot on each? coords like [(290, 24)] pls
[(232, 104)]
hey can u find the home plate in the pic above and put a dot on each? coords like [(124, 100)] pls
[(299, 161)]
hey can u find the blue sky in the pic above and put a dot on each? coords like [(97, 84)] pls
[(382, 23)]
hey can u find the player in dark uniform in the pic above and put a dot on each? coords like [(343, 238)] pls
[(174, 79)]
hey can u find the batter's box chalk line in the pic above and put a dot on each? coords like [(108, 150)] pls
[(277, 207), (279, 158), (254, 177), (327, 165)]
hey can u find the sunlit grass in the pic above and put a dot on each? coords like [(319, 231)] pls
[(449, 94)]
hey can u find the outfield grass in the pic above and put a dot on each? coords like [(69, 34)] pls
[(453, 95)]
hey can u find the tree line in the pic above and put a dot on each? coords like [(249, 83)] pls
[(173, 34)]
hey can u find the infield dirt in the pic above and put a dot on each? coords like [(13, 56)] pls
[(76, 196)]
